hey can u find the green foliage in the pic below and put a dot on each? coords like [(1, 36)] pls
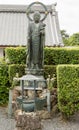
[(15, 55), (74, 40), (49, 70), (2, 61), (15, 69), (64, 55), (68, 88), (66, 42), (65, 37), (53, 56), (4, 84)]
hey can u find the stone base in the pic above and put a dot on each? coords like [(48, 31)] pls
[(28, 121)]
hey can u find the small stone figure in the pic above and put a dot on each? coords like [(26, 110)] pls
[(36, 39)]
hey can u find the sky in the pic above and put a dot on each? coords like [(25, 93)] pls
[(68, 12)]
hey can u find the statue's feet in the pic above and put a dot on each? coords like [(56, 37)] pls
[(37, 66), (32, 67)]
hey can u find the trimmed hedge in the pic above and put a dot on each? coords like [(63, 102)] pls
[(4, 84), (15, 55), (53, 56), (14, 69), (64, 55), (68, 88)]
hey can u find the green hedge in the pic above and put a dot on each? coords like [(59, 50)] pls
[(15, 55), (64, 55), (4, 84), (68, 88), (53, 56), (14, 69)]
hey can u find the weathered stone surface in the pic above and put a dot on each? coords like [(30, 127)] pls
[(14, 106), (55, 109), (31, 94), (16, 113), (54, 103), (44, 114), (16, 93), (28, 121), (53, 97), (18, 88), (18, 128)]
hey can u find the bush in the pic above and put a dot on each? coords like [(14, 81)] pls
[(15, 55), (68, 88), (14, 69), (49, 70), (64, 55), (74, 40), (53, 56), (4, 84)]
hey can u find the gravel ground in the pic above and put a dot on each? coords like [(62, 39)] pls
[(56, 123), (5, 123)]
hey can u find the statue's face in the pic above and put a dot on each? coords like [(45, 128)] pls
[(36, 17)]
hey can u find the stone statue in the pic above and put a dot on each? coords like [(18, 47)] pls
[(36, 40)]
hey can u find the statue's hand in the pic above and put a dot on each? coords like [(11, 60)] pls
[(42, 29), (42, 32)]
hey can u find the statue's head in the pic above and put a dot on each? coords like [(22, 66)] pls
[(36, 16)]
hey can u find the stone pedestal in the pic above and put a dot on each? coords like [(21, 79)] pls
[(28, 121)]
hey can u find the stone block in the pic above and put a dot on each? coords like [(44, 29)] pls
[(28, 121)]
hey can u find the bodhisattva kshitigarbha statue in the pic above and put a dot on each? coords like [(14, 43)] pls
[(36, 40)]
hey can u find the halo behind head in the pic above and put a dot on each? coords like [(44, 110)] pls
[(29, 9)]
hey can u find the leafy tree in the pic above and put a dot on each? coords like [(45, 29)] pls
[(74, 39)]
